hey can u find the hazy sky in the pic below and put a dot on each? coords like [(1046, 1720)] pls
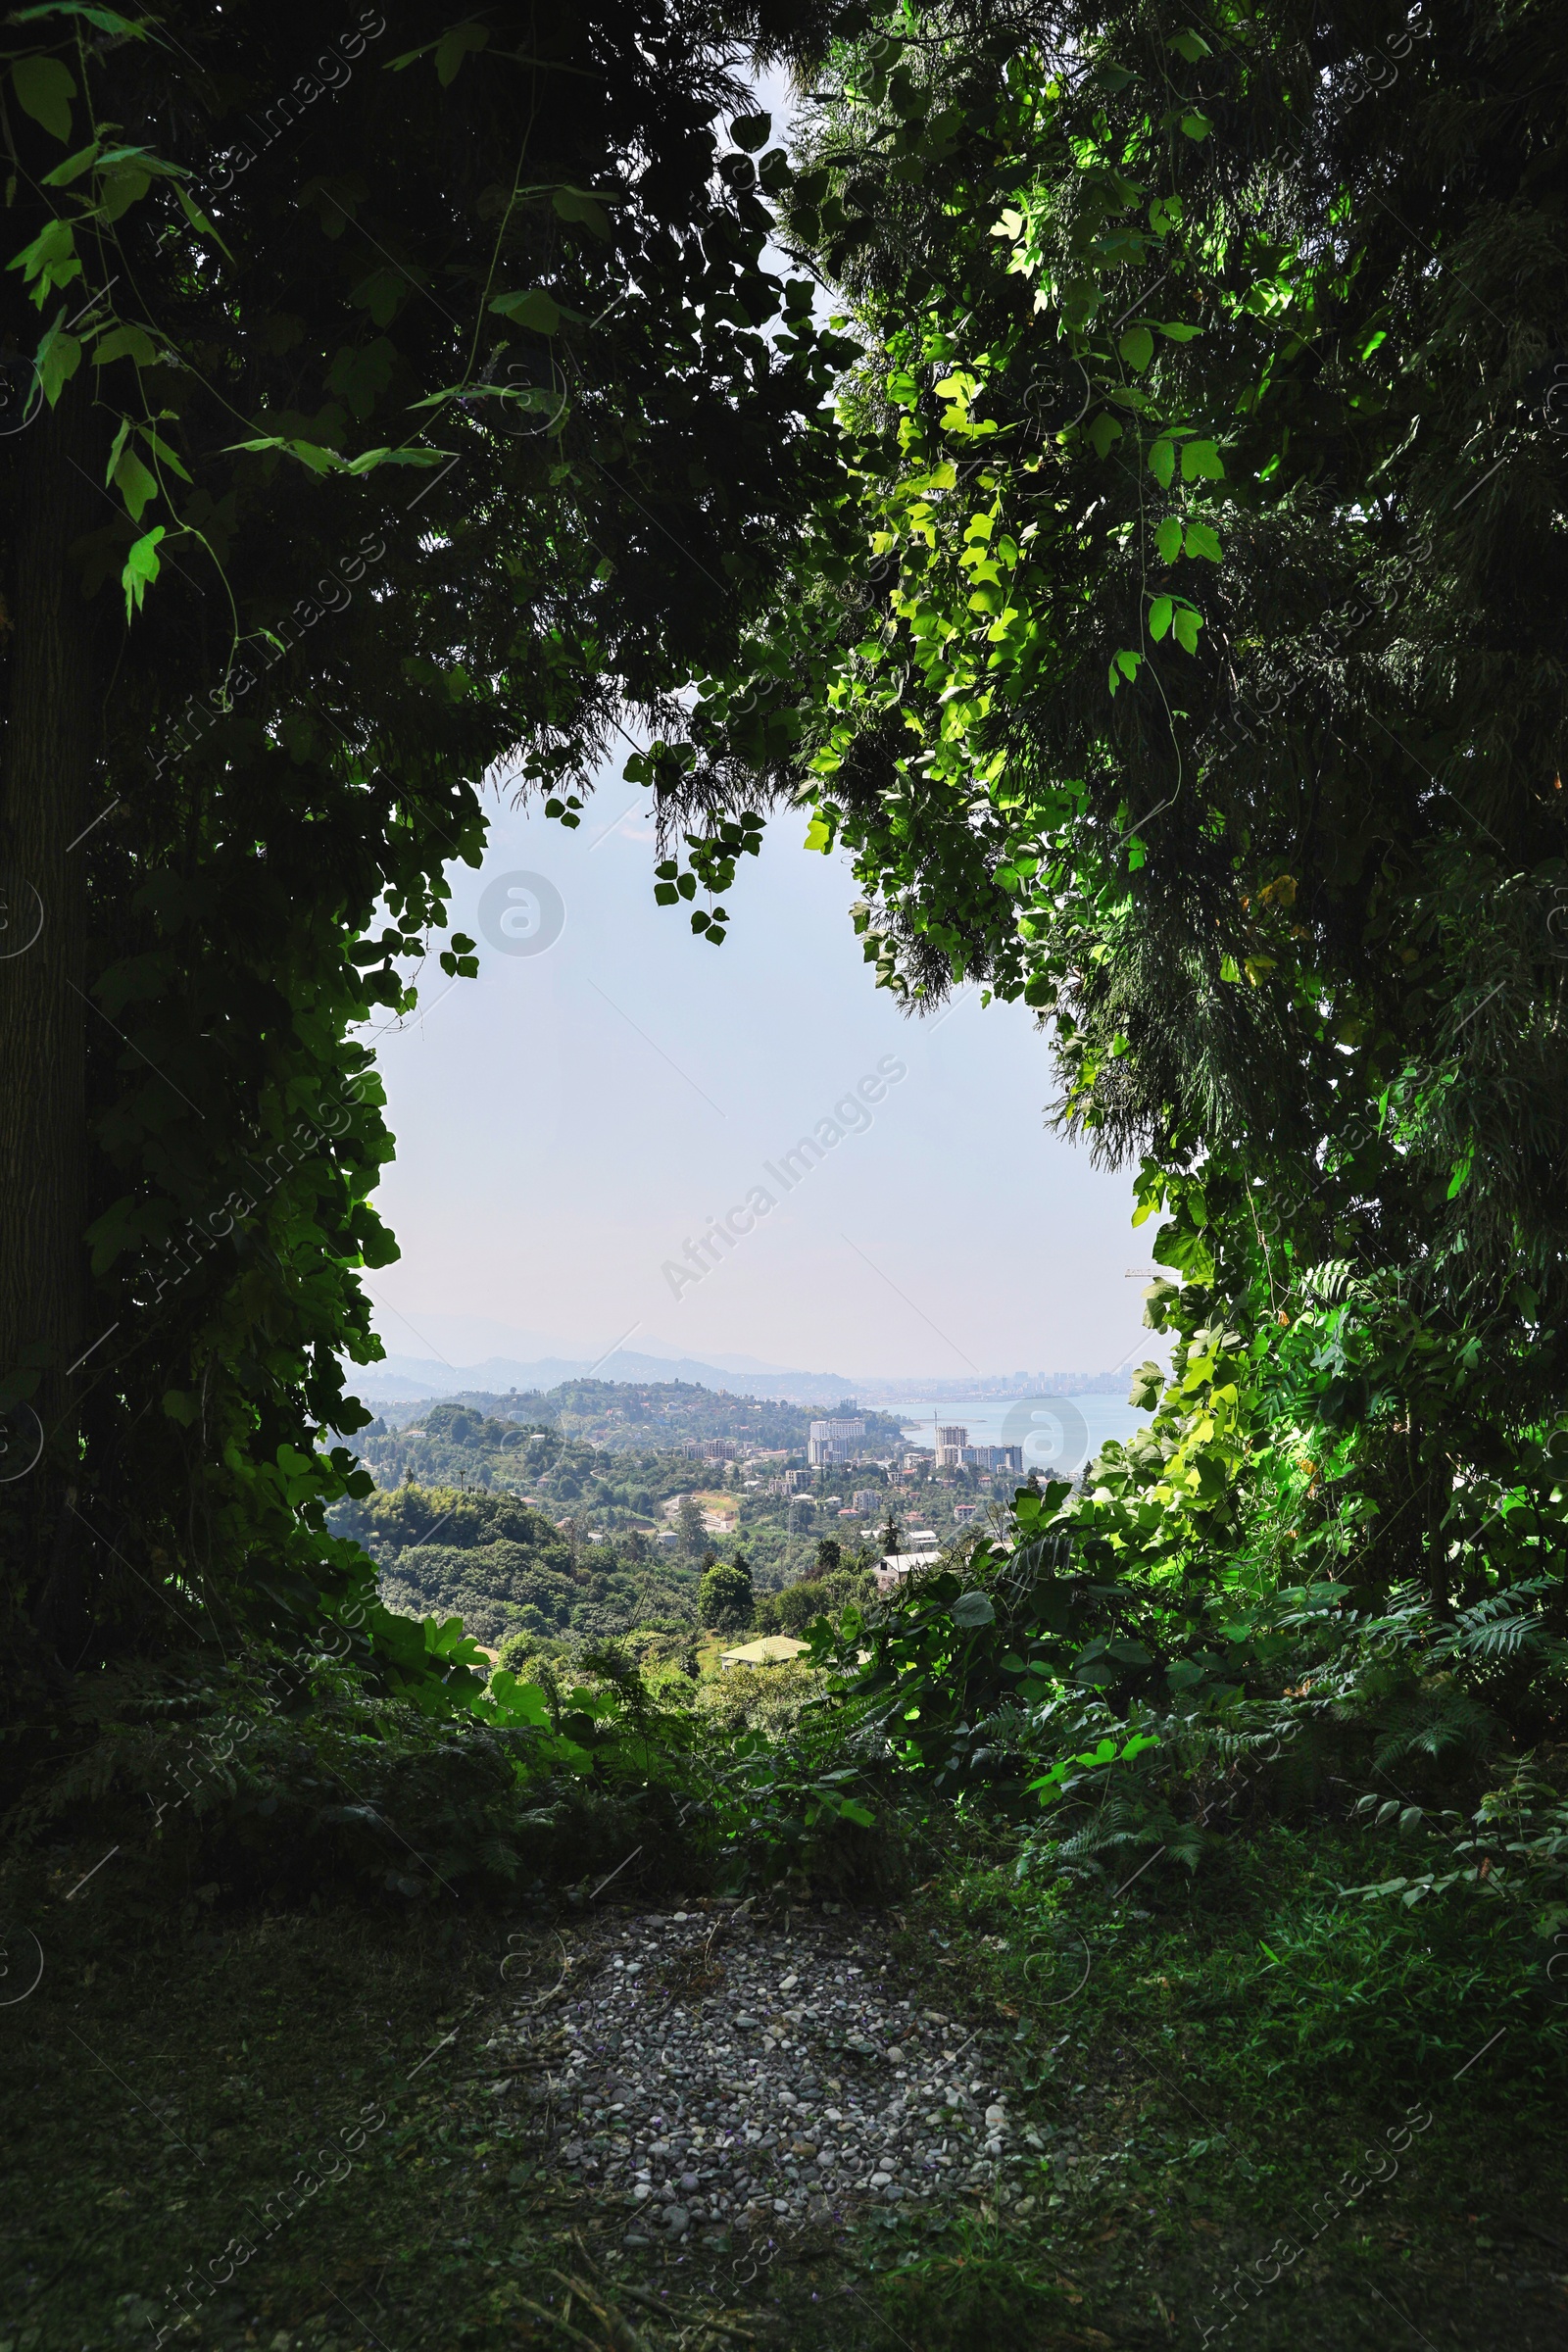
[(571, 1121)]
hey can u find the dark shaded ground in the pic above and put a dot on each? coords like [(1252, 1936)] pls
[(165, 2094)]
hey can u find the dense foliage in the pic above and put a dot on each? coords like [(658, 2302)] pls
[(403, 423), (1183, 657), (501, 1567)]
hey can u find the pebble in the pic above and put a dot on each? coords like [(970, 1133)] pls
[(761, 2077)]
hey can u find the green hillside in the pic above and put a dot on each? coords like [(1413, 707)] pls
[(504, 1568)]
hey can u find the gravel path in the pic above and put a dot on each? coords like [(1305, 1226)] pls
[(711, 2073)]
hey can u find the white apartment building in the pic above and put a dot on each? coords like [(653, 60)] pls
[(830, 1442)]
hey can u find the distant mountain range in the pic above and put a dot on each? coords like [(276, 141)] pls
[(407, 1379)]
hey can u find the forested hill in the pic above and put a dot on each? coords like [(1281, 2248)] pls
[(622, 1415)]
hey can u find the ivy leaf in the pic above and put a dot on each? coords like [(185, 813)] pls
[(1159, 616), (534, 308), (1178, 332), (309, 452), (1137, 348), (381, 293), (1191, 45), (107, 20), (1168, 539), (1200, 463), (1197, 125), (51, 258), (58, 355), (1187, 626), (361, 372), (1163, 462), (134, 483), (45, 90), (819, 835), (371, 459), (198, 218), (141, 568), (1105, 433), (454, 47), (161, 450), (76, 164), (125, 343), (1202, 541), (575, 204), (751, 131)]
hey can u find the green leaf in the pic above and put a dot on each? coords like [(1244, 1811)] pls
[(1168, 538), (1137, 348), (1202, 541), (140, 571), (575, 204), (58, 355), (1200, 463), (1197, 125), (819, 835), (107, 20), (126, 343), (162, 451), (381, 293), (369, 458), (1178, 332), (1163, 462), (1187, 626), (136, 486), (752, 131), (454, 47), (76, 164), (198, 220), (51, 258), (45, 90), (1191, 45), (1159, 613), (361, 372), (1105, 433), (973, 1609), (534, 308)]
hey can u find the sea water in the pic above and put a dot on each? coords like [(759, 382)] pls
[(1058, 1435)]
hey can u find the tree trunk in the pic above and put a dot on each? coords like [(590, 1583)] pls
[(51, 752)]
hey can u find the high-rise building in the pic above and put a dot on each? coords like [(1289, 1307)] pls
[(837, 1441), (952, 1439)]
